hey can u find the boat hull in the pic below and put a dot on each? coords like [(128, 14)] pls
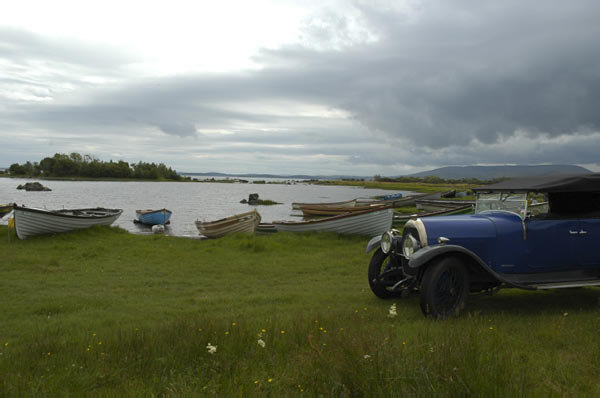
[(347, 203), (435, 205), (31, 221), (5, 209), (449, 211), (317, 210), (239, 223), (369, 222), (400, 202), (153, 217)]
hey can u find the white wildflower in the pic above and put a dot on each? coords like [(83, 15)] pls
[(366, 356), (392, 312), (211, 348), (261, 343)]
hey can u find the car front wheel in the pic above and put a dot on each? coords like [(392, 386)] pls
[(444, 288), (380, 262)]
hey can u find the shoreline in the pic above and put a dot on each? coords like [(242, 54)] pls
[(391, 186)]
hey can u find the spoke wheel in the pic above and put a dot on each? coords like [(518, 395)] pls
[(380, 262), (444, 288)]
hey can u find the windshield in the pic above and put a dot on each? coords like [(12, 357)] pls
[(513, 202)]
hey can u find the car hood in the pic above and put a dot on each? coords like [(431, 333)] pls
[(459, 229)]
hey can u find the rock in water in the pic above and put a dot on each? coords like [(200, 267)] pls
[(33, 186), (253, 199)]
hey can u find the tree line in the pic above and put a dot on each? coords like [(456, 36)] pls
[(76, 165)]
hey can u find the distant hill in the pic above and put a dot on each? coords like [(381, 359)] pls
[(492, 172), (284, 176)]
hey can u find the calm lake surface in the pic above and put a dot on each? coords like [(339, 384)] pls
[(188, 201)]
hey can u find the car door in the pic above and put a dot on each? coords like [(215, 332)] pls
[(588, 242), (551, 243)]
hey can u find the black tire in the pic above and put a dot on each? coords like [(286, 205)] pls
[(379, 262), (444, 288)]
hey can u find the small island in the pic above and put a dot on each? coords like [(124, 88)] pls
[(87, 166)]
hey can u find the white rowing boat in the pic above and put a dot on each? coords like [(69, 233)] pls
[(31, 221), (370, 222), (347, 203)]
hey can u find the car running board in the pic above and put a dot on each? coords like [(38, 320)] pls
[(563, 285)]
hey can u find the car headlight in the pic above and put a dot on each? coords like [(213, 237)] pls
[(409, 246), (386, 242)]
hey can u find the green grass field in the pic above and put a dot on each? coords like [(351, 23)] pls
[(103, 312)]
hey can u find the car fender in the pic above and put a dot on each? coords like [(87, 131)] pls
[(428, 253), (374, 243)]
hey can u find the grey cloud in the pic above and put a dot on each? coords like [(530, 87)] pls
[(24, 47), (451, 83), (464, 72), (180, 129)]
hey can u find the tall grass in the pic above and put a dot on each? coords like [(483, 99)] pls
[(103, 312)]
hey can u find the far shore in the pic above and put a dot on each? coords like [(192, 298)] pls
[(392, 186)]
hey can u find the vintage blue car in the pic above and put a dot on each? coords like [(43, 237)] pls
[(530, 233)]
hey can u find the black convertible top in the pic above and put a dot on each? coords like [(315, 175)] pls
[(553, 183)]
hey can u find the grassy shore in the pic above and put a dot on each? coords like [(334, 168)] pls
[(401, 186), (102, 312)]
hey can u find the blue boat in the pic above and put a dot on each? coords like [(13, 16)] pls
[(391, 196), (153, 217)]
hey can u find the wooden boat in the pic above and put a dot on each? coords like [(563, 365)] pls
[(5, 209), (347, 203), (266, 228), (370, 222), (464, 209), (400, 202), (317, 210), (153, 217), (243, 223), (440, 204), (31, 221)]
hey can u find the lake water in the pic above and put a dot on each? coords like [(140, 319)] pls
[(188, 201)]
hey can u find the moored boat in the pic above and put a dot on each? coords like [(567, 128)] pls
[(242, 223), (346, 203), (370, 222), (441, 204), (265, 228), (448, 211), (400, 202), (5, 209), (318, 210), (31, 221), (391, 196), (153, 217)]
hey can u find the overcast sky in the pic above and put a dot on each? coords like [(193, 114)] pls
[(312, 87)]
